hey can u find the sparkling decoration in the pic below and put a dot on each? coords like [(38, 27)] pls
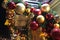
[(45, 7), (57, 18), (49, 27), (34, 25), (7, 22), (10, 12), (31, 15), (56, 25), (40, 19), (49, 16), (37, 11), (10, 16), (55, 34), (4, 4), (20, 8), (26, 4), (43, 34), (32, 9), (11, 5), (28, 10)]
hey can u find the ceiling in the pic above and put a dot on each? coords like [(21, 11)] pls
[(55, 5)]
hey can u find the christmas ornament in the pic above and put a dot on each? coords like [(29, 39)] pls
[(12, 30), (32, 9), (11, 5), (55, 33), (23, 37), (49, 16), (49, 27), (57, 18), (56, 25), (9, 17), (11, 12), (7, 22), (40, 19), (11, 21), (37, 11), (34, 25), (26, 4), (20, 8), (31, 15), (45, 7), (43, 34), (28, 10)]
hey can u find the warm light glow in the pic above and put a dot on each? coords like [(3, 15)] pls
[(5, 0)]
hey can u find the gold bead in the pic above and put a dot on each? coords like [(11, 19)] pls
[(20, 8), (40, 19), (45, 7)]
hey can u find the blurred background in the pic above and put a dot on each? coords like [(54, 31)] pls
[(55, 4)]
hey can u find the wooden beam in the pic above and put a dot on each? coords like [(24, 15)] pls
[(56, 5), (53, 2)]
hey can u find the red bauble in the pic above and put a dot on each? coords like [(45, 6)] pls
[(33, 25), (49, 27), (32, 9), (11, 5), (49, 16), (37, 11), (26, 4), (55, 33)]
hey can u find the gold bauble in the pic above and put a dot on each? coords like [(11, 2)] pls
[(28, 10), (20, 8), (56, 25), (40, 19), (45, 7)]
